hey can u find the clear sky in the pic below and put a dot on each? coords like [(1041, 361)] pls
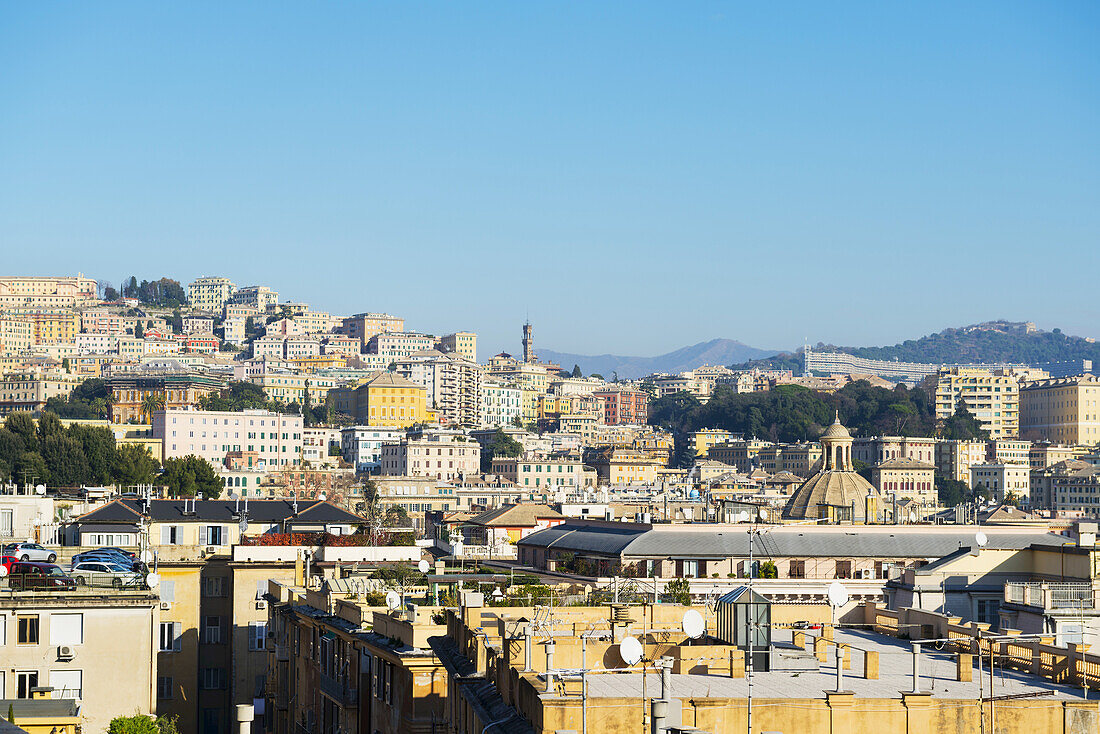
[(634, 176)]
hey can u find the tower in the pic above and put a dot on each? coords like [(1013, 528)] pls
[(528, 343)]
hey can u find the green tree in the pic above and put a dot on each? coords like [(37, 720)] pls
[(65, 364), (176, 322), (191, 476), (952, 492), (48, 425), (678, 591), (22, 425), (65, 457), (500, 446), (136, 724), (11, 447), (139, 330), (134, 465), (150, 404), (963, 426), (98, 446), (577, 371), (30, 468), (767, 570), (92, 398)]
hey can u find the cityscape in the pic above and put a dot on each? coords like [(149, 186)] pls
[(358, 376)]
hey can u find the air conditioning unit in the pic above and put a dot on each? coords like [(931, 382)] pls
[(165, 605), (65, 652), (866, 574), (261, 604)]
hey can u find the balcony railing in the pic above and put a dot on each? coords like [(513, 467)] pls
[(1055, 595), (337, 690)]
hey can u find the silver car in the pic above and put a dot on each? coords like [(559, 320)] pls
[(99, 573), (29, 552)]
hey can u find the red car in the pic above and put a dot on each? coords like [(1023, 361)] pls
[(33, 575), (7, 562)]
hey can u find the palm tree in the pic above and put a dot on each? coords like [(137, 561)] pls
[(151, 403)]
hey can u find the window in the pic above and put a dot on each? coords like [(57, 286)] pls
[(213, 679), (843, 569), (212, 630), (167, 589), (211, 535), (66, 629), (169, 534), (213, 586), (170, 636), (28, 630), (797, 570), (257, 635), (67, 683), (164, 687), (27, 679)]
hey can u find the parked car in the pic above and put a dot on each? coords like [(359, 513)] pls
[(35, 575), (7, 562), (101, 573), (29, 552), (106, 557)]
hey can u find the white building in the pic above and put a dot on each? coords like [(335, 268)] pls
[(361, 446), (1002, 479), (452, 385), (501, 405), (440, 455), (315, 445), (399, 343), (275, 437)]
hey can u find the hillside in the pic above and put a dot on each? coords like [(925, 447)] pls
[(993, 341), (714, 352)]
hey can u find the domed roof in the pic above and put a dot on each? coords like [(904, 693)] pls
[(835, 488), (836, 430)]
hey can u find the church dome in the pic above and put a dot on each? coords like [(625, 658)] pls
[(836, 430)]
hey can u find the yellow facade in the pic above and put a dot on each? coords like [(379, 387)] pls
[(319, 362), (992, 396), (291, 388), (1065, 410), (54, 328), (385, 400), (703, 440)]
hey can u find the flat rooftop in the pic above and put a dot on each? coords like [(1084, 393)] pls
[(895, 677)]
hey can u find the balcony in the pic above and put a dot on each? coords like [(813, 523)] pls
[(1061, 596), (338, 691)]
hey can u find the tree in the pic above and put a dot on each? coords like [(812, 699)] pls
[(30, 468), (678, 591), (396, 517), (49, 425), (65, 365), (136, 724), (134, 465), (110, 294), (767, 570), (65, 458), (90, 399), (577, 371), (139, 330), (151, 403), (501, 445), (952, 492), (22, 425), (11, 447), (963, 426), (98, 447), (191, 476), (176, 322)]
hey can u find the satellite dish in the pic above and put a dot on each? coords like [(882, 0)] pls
[(234, 496), (40, 489), (393, 601), (146, 556), (912, 517), (742, 516), (763, 514), (3, 571), (693, 624), (630, 650), (152, 580), (981, 539), (322, 496), (242, 526), (838, 595), (423, 566)]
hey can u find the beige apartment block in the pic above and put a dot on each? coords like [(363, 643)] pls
[(992, 396), (363, 326), (462, 343), (1065, 410), (443, 456), (16, 335), (1002, 479)]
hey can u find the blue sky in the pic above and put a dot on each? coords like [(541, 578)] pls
[(635, 176)]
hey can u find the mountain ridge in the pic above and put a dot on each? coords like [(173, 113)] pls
[(714, 351)]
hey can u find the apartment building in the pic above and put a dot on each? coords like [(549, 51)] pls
[(361, 446), (501, 405), (417, 496), (211, 434), (210, 293), (452, 384), (363, 326), (905, 478), (288, 387), (1063, 410), (1008, 451), (624, 406), (339, 345), (16, 335), (397, 344), (317, 441), (1002, 479), (54, 328), (29, 391), (954, 458), (172, 386), (702, 440), (441, 455), (1044, 454), (743, 454), (387, 400), (992, 396), (797, 458), (31, 292), (625, 466), (541, 473), (94, 647), (462, 343)]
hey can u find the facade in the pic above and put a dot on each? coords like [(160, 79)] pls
[(624, 406), (501, 405), (452, 384), (397, 344), (28, 392), (954, 458), (33, 293), (877, 449), (462, 343), (991, 395), (363, 326), (443, 456), (835, 492), (1009, 451), (1063, 410), (275, 437), (259, 297), (288, 387), (906, 478), (744, 454), (316, 442), (172, 387), (702, 440), (210, 293), (539, 473), (1002, 479), (361, 446), (385, 400), (16, 335), (625, 466)]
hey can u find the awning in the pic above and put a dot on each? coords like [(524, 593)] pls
[(108, 528)]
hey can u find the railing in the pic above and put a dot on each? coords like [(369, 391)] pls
[(1054, 595), (337, 690)]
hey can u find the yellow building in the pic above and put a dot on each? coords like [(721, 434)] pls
[(387, 399), (992, 396), (704, 439), (16, 335), (462, 343), (626, 466), (287, 387), (54, 328), (363, 326), (210, 292), (1064, 410), (319, 362)]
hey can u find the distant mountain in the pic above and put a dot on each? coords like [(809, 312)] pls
[(714, 352)]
